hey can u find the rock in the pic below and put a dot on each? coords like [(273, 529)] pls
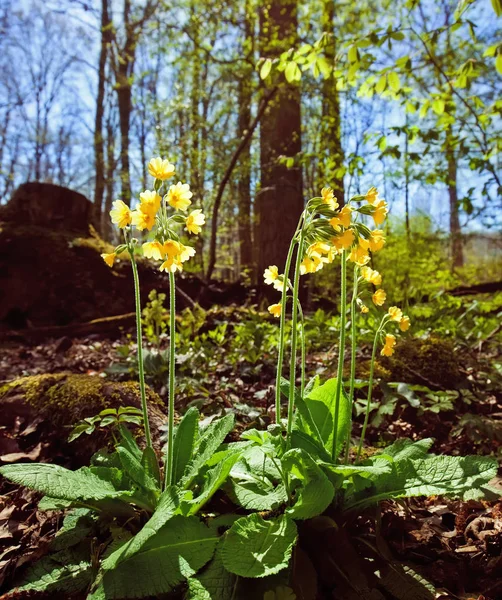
[(49, 206), (38, 413)]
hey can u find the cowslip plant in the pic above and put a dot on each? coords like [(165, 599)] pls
[(161, 535)]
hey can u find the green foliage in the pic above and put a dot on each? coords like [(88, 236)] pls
[(110, 418), (154, 317), (254, 547)]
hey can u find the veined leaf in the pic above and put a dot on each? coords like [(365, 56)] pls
[(133, 467), (462, 477), (165, 510), (213, 583), (254, 495), (265, 68), (314, 492), (253, 547), (184, 442), (207, 445), (215, 478), (174, 553), (64, 571), (128, 441), (150, 464), (60, 483)]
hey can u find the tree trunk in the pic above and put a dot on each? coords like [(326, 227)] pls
[(125, 107), (245, 93), (279, 202), (331, 159), (99, 149), (457, 252), (110, 168)]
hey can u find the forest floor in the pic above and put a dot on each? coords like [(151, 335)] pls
[(456, 546)]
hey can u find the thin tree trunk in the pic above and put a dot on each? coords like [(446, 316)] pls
[(279, 202), (331, 163), (99, 150), (457, 252), (110, 168)]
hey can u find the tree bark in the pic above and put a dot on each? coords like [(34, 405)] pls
[(331, 159), (279, 202), (99, 146), (457, 252)]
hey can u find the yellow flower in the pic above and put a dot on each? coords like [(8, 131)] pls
[(318, 248), (142, 220), (121, 214), (153, 250), (371, 276), (160, 169), (372, 195), (149, 203), (390, 342), (186, 252), (404, 323), (364, 309), (328, 198), (179, 196), (171, 248), (344, 241), (271, 275), (377, 240), (312, 264), (275, 309), (342, 219), (379, 297), (194, 221), (380, 212), (395, 313), (359, 256), (109, 258), (171, 264)]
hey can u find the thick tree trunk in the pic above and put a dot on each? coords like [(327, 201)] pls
[(331, 159), (279, 202), (457, 252), (125, 106), (99, 146)]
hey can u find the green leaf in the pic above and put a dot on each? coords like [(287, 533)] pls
[(352, 54), (253, 547), (176, 552), (300, 439), (214, 479), (266, 68), (394, 82), (58, 482), (150, 464), (77, 525), (312, 489), (497, 7), (292, 72), (184, 442), (165, 510), (64, 571), (254, 495), (498, 62), (318, 415), (461, 477), (133, 467), (207, 445), (213, 583), (381, 84), (128, 441), (438, 106)]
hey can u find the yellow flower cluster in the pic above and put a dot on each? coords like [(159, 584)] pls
[(152, 211)]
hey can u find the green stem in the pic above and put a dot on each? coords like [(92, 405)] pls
[(370, 387), (341, 350), (280, 358), (294, 336), (303, 348), (172, 367), (353, 305), (139, 335)]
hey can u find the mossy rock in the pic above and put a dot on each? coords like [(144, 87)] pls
[(38, 413), (430, 361)]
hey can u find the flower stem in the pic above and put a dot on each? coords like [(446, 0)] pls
[(139, 335), (370, 387), (352, 357), (341, 350), (172, 367), (282, 324), (303, 348), (294, 336)]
